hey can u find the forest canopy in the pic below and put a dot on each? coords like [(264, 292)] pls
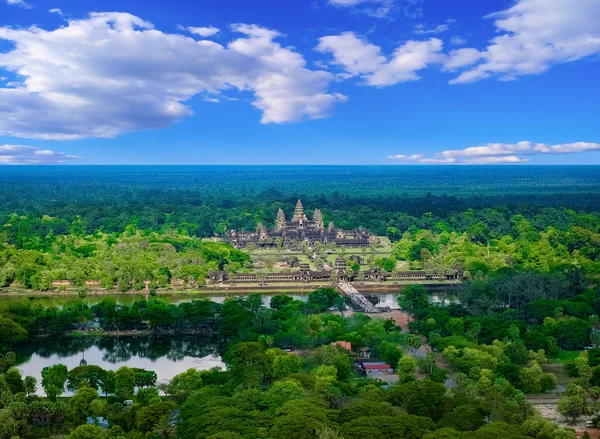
[(123, 228)]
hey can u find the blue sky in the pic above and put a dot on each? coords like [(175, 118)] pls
[(299, 82)]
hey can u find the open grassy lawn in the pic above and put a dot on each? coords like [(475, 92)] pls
[(384, 251), (564, 357)]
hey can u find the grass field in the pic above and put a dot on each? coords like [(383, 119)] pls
[(383, 251), (564, 356)]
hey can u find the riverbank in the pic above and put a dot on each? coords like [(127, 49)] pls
[(133, 333), (209, 290)]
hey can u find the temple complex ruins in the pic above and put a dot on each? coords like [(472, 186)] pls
[(340, 272), (290, 233)]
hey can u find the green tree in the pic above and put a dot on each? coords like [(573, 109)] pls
[(323, 298), (407, 365), (54, 379), (124, 382), (150, 416), (80, 403), (284, 391), (185, 383), (14, 380), (11, 333), (30, 385), (572, 403), (88, 432), (413, 299), (299, 419), (247, 363)]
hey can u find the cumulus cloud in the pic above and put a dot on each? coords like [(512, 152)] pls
[(20, 3), (360, 58), (374, 8), (203, 31), (28, 155), (457, 41), (534, 35), (495, 153), (462, 58), (113, 73)]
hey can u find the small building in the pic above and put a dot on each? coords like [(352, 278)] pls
[(344, 345), (374, 370), (99, 421)]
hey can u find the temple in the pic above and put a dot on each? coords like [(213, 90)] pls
[(290, 233), (338, 273)]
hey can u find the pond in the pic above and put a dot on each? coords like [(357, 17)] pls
[(166, 355)]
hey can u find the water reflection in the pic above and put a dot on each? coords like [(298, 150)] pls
[(130, 299), (166, 355)]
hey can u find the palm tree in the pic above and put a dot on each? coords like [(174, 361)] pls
[(164, 429)]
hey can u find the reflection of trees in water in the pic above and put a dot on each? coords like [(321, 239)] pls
[(121, 349), (45, 348), (153, 348)]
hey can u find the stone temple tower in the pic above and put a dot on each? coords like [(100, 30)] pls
[(299, 215), (280, 222), (318, 219), (262, 231)]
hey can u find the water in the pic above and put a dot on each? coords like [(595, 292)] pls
[(381, 298), (166, 355), (130, 299)]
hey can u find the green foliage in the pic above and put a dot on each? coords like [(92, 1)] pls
[(413, 299), (80, 403), (11, 333), (323, 298), (88, 432)]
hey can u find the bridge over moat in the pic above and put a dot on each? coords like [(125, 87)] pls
[(357, 299)]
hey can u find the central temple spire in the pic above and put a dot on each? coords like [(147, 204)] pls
[(299, 212)]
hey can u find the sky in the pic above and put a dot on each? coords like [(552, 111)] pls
[(299, 82)]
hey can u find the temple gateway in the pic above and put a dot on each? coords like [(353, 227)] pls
[(290, 233)]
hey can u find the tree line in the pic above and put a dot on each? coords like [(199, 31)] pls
[(285, 379)]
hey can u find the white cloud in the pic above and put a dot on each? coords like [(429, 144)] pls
[(28, 155), (457, 41), (496, 153), (522, 148), (436, 30), (114, 73), (429, 161), (534, 35), (462, 58), (361, 58), (20, 3), (374, 8), (203, 31), (411, 157), (56, 11), (421, 29)]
